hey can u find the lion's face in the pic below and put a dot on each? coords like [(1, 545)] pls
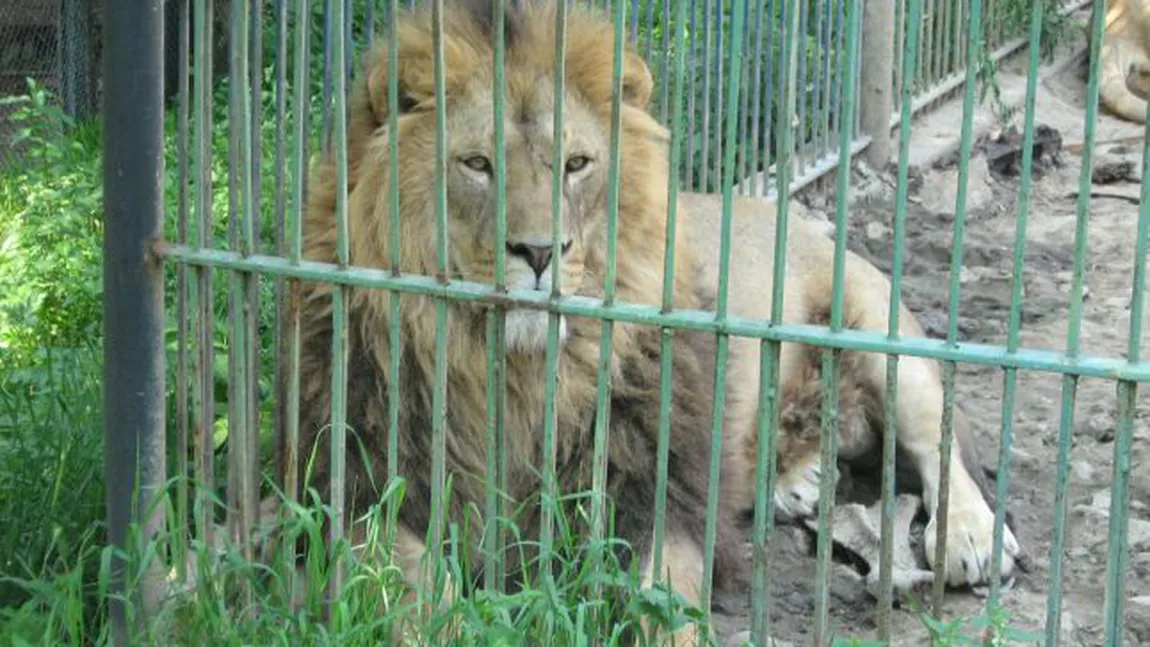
[(529, 150)]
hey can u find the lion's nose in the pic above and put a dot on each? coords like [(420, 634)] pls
[(537, 256)]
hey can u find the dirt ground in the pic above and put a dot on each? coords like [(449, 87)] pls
[(985, 305)]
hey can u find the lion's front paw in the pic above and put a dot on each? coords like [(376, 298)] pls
[(970, 545), (797, 492)]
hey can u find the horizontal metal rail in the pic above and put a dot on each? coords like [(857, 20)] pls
[(1029, 359)]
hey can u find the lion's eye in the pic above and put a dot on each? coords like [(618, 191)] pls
[(478, 163), (577, 163)]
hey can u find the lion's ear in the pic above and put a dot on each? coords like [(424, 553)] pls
[(416, 67), (637, 80), (411, 81)]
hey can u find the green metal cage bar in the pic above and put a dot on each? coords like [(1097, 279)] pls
[(242, 462), (1073, 341), (890, 412)]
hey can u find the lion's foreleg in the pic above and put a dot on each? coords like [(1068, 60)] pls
[(970, 520), (682, 571), (422, 597)]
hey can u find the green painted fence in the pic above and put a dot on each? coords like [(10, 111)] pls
[(732, 78)]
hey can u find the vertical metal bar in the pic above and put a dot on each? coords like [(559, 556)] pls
[(204, 374), (252, 279), (890, 410), (944, 34), (759, 94), (328, 27), (1141, 247), (603, 395), (830, 426), (664, 96), (1118, 562), (650, 35), (180, 541), (439, 388), (841, 58), (822, 127), (1015, 321), (804, 97), (550, 414), (634, 19), (241, 491), (727, 184), (929, 44), (289, 361), (958, 25), (768, 391), (348, 38), (1073, 341), (720, 77), (393, 187), (1118, 554), (666, 348), (899, 46), (73, 58), (705, 126), (769, 130), (497, 380), (295, 229), (135, 448), (923, 49), (691, 92), (744, 109), (339, 337), (765, 477), (280, 215), (368, 24), (974, 35)]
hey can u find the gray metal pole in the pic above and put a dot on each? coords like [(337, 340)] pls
[(73, 59), (134, 449), (877, 91)]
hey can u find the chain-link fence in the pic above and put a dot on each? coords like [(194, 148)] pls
[(55, 44)]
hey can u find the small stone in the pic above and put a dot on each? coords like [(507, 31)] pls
[(1139, 534), (1100, 427), (744, 638), (1083, 470), (1110, 170), (875, 230), (1101, 500), (940, 188), (1118, 302), (1141, 600)]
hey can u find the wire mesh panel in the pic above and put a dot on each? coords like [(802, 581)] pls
[(35, 45), (394, 256)]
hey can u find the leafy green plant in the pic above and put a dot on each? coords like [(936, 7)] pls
[(50, 230)]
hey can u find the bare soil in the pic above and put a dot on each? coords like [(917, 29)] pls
[(984, 314)]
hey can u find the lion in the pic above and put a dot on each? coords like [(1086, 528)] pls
[(634, 366), (1124, 59), (581, 257)]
